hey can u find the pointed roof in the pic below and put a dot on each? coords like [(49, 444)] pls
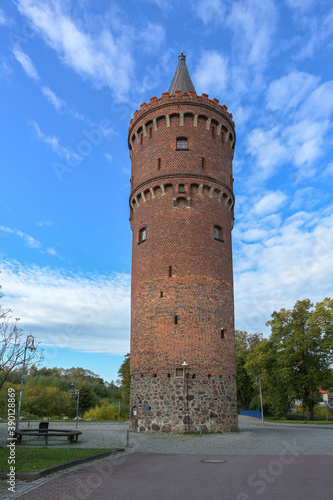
[(182, 80)]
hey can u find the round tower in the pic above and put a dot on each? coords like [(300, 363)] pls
[(183, 364)]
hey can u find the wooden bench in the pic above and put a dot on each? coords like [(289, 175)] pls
[(72, 435)]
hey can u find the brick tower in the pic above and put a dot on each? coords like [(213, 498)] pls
[(183, 364)]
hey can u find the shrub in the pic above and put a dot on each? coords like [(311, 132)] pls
[(107, 411), (302, 416)]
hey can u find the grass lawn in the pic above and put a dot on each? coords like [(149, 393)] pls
[(35, 459), (305, 422)]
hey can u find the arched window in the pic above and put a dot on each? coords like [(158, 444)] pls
[(142, 235), (182, 143)]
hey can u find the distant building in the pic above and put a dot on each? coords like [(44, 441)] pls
[(324, 397), (183, 362)]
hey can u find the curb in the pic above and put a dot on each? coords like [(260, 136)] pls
[(57, 468), (298, 426)]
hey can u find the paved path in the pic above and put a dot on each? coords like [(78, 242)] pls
[(149, 476), (261, 462)]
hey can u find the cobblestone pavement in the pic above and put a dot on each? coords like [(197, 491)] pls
[(261, 462)]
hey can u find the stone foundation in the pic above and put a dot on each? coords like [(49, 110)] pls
[(180, 405)]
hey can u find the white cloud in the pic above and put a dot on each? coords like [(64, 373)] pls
[(253, 24), (328, 172), (51, 251), (288, 91), (307, 197), (151, 37), (306, 143), (294, 263), (210, 10), (319, 104), (5, 69), (5, 229), (53, 142), (3, 18), (252, 235), (301, 143), (108, 157), (29, 240), (162, 4), (54, 100), (26, 63), (85, 313), (268, 149), (43, 223), (269, 203), (102, 58), (301, 4), (211, 73)]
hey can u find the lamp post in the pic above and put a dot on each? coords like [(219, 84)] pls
[(73, 385), (261, 406), (29, 344), (184, 366)]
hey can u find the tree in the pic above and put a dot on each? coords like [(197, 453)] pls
[(125, 379), (246, 387), (12, 346), (45, 402), (295, 361), (88, 397)]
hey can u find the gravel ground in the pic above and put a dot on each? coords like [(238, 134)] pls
[(250, 440)]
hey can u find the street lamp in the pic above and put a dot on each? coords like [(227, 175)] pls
[(73, 385), (187, 417), (262, 410), (29, 344)]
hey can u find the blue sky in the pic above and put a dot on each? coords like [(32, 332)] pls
[(72, 74)]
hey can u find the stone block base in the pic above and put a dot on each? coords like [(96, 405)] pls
[(181, 405)]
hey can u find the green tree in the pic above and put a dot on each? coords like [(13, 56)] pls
[(295, 361), (125, 379), (88, 397), (45, 402), (246, 386)]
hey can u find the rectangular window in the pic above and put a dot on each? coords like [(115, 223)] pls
[(181, 188), (170, 271), (176, 319), (222, 333), (203, 163), (159, 164), (218, 233), (181, 143)]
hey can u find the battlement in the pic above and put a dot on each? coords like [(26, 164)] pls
[(166, 98)]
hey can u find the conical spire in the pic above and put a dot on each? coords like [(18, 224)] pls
[(182, 80)]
